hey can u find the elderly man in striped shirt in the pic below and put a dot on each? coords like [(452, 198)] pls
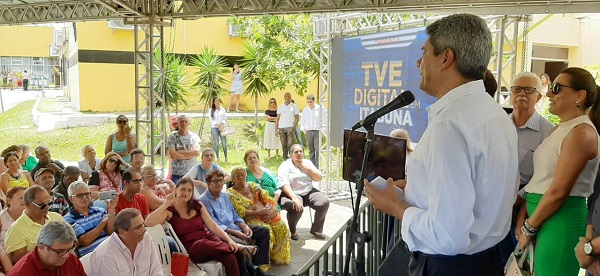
[(532, 129)]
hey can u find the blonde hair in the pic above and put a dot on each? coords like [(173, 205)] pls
[(402, 134)]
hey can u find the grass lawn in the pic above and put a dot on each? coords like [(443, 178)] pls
[(16, 127)]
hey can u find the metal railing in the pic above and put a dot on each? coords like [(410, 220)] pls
[(329, 260)]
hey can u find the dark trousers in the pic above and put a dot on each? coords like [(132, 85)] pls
[(261, 238), (312, 139), (25, 84), (175, 177), (316, 200), (486, 263), (286, 136)]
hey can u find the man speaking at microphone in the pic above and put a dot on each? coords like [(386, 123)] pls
[(462, 184)]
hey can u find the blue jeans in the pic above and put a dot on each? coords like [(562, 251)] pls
[(216, 134)]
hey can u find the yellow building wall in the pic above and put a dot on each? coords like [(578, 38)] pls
[(106, 87), (98, 36), (25, 41)]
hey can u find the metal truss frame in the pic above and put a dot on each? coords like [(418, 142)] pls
[(504, 31), (150, 113), (38, 11)]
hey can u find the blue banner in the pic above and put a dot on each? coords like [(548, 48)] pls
[(376, 69)]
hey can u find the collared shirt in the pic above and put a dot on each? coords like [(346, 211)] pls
[(60, 204), (57, 175), (31, 265), (530, 137), (313, 119), (463, 176), (183, 142), (221, 210), (287, 113), (6, 221), (220, 117), (63, 191), (24, 232), (112, 257), (82, 224), (198, 172), (139, 202), (299, 180)]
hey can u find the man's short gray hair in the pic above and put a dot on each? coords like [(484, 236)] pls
[(76, 185), (532, 76), (123, 219), (56, 231), (469, 37)]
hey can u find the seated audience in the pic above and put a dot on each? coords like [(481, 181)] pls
[(261, 175), (220, 208), (70, 175), (21, 235), (45, 161), (296, 176), (53, 253), (45, 178), (89, 163), (15, 175), (14, 209), (28, 161), (257, 207), (199, 171), (137, 157), (131, 197), (5, 264), (129, 250), (92, 225), (155, 189), (203, 239), (108, 177)]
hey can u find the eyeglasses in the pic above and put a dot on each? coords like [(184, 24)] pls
[(43, 205), (84, 195), (150, 175), (527, 90), (114, 161), (136, 181), (555, 87), (218, 181), (122, 122), (62, 252), (272, 102)]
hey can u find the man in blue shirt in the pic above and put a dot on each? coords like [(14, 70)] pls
[(221, 209)]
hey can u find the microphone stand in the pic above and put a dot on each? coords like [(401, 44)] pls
[(357, 238)]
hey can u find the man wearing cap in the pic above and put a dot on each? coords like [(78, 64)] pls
[(45, 178), (22, 235)]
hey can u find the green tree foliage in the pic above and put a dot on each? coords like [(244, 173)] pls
[(284, 52), (175, 80)]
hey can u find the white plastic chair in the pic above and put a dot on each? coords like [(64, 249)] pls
[(157, 234), (85, 261), (213, 268)]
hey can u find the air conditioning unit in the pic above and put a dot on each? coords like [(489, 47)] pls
[(59, 38), (119, 25), (233, 29)]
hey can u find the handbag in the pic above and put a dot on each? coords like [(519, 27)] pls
[(227, 130), (520, 263), (180, 264)]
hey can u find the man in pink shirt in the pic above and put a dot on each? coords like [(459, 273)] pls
[(129, 251)]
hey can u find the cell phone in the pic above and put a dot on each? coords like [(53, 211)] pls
[(107, 195)]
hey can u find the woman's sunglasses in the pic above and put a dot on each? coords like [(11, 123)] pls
[(555, 87)]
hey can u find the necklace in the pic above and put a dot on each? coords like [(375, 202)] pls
[(15, 177)]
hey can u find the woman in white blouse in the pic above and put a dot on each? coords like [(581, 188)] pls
[(89, 163), (218, 120), (565, 166)]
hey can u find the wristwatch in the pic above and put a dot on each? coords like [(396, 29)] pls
[(588, 249)]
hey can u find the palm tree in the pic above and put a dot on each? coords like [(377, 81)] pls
[(255, 86), (175, 81), (209, 80)]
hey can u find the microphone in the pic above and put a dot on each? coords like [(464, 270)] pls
[(402, 100)]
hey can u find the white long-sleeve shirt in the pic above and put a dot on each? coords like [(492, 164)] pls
[(313, 119), (112, 257), (220, 117), (463, 176)]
